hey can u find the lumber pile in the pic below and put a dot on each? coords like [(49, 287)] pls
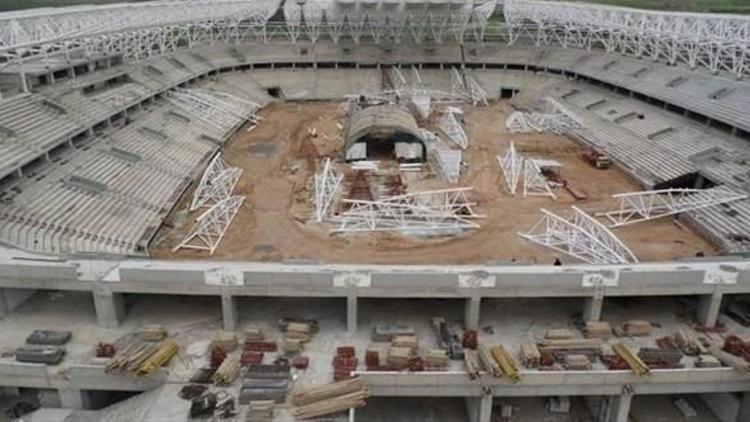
[(728, 359), (227, 372), (488, 361), (558, 334), (707, 361), (436, 359), (398, 357), (329, 399), (142, 359), (686, 342), (254, 333), (530, 356), (506, 363), (285, 321), (591, 347), (598, 329), (153, 333), (473, 365), (406, 341), (634, 362)]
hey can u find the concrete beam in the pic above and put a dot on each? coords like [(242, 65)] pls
[(10, 299), (110, 307), (592, 308), (351, 312), (479, 408), (229, 312), (472, 310), (708, 309)]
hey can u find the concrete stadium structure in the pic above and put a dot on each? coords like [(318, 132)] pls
[(88, 123)]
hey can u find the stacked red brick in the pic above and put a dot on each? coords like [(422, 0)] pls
[(344, 363)]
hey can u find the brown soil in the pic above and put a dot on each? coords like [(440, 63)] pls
[(278, 158)]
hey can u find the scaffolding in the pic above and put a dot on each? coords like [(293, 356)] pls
[(218, 109), (211, 226), (511, 164), (636, 207), (326, 184), (580, 236), (534, 182), (437, 212), (216, 184)]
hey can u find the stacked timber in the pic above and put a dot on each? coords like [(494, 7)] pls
[(505, 362), (153, 333), (254, 333), (739, 364), (473, 364), (707, 361), (227, 372), (686, 342), (298, 331), (633, 361), (398, 357), (225, 340), (285, 321), (636, 328), (530, 356), (598, 329), (488, 361), (328, 399), (591, 347), (142, 359), (436, 359), (558, 334), (408, 341)]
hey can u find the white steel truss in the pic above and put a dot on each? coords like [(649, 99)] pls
[(635, 207), (218, 109), (326, 183), (581, 236), (511, 163), (534, 182), (716, 42), (452, 128), (558, 120), (448, 163), (464, 84), (216, 184), (431, 212), (212, 225), (134, 30)]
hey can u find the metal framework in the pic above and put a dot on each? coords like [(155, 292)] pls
[(580, 236), (534, 182), (430, 213), (452, 128), (216, 184), (635, 207), (464, 83), (448, 163), (218, 109), (716, 42), (511, 164), (212, 225), (326, 183), (558, 120), (134, 30)]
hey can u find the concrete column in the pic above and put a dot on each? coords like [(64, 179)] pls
[(744, 413), (471, 315), (72, 399), (592, 308), (229, 312), (110, 307), (11, 299), (351, 312), (479, 408), (620, 407), (708, 309)]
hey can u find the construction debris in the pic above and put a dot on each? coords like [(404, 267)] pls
[(328, 399)]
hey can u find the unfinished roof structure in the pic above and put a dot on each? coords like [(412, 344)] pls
[(384, 130)]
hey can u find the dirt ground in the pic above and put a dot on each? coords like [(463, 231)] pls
[(278, 161)]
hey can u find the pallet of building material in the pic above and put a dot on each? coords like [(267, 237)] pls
[(227, 372), (285, 321), (153, 332), (728, 359), (405, 341), (661, 358), (488, 361), (345, 351), (530, 355), (349, 364), (398, 357), (225, 340), (306, 395), (261, 346), (130, 357), (473, 363), (48, 337), (267, 371), (634, 362), (275, 389), (558, 334), (163, 354), (666, 343), (292, 345), (254, 333), (558, 348), (50, 355), (436, 359), (385, 333), (301, 362), (598, 329), (260, 411), (577, 362), (635, 328), (686, 341), (506, 363), (707, 361), (251, 358)]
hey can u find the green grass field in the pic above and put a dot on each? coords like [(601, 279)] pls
[(713, 6)]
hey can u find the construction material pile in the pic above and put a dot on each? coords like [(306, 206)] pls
[(329, 399), (265, 382), (344, 363), (142, 359), (494, 360), (43, 346)]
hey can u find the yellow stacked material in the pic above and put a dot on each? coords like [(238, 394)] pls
[(558, 334), (488, 361), (405, 341), (436, 358), (161, 357), (636, 364), (153, 333), (598, 329), (225, 340), (254, 333), (506, 363)]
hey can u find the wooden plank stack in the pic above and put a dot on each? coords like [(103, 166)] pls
[(473, 364), (634, 362), (153, 333), (661, 358), (398, 357), (142, 359), (436, 359), (328, 399), (225, 340), (506, 363), (558, 334), (530, 355), (254, 333), (636, 328), (598, 329), (686, 342), (227, 372), (488, 361)]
